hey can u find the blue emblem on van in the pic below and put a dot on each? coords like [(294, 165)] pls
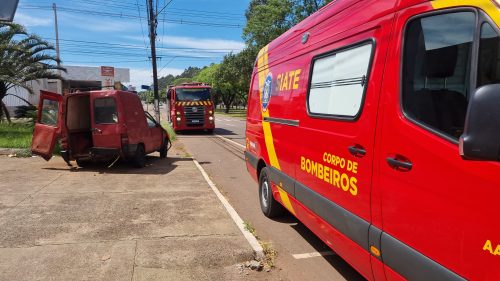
[(266, 91)]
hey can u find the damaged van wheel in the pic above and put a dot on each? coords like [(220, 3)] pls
[(82, 163), (140, 157), (164, 149), (269, 206)]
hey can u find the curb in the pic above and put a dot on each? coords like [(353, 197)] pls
[(10, 151), (257, 248)]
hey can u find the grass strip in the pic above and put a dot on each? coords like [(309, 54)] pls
[(15, 135)]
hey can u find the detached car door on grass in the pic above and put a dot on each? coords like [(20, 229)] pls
[(48, 125)]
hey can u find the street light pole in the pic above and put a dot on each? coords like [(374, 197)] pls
[(152, 37)]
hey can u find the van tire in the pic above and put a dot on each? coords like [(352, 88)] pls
[(210, 131), (140, 157), (269, 206), (82, 163), (164, 149)]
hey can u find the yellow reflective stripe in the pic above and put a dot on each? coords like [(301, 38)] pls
[(263, 67), (286, 200), (485, 5), (268, 135)]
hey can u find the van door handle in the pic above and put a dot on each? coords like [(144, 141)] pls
[(398, 164), (96, 130), (357, 151)]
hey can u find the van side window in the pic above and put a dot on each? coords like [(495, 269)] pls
[(436, 70), (105, 111), (489, 57), (338, 82)]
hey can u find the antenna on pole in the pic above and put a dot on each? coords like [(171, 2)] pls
[(152, 36), (59, 84)]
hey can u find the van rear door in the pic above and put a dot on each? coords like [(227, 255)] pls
[(48, 124), (106, 131)]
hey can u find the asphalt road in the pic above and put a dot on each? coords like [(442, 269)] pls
[(298, 248)]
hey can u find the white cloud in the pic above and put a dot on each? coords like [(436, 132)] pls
[(96, 24), (198, 43), (143, 76), (30, 21)]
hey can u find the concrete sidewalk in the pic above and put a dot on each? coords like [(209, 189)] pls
[(162, 222)]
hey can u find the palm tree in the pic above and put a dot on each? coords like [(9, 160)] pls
[(23, 57)]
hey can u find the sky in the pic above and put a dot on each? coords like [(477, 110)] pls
[(115, 33)]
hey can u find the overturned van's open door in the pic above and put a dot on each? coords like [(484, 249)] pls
[(48, 124)]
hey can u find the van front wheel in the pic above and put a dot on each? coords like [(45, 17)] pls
[(269, 206), (164, 149), (140, 157)]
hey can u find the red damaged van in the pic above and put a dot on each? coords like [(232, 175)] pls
[(377, 124), (97, 126)]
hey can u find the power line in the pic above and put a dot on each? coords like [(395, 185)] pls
[(129, 16), (116, 45), (140, 20), (128, 5)]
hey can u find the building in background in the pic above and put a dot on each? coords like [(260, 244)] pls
[(77, 78)]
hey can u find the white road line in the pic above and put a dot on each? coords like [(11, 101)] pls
[(257, 248), (231, 141), (313, 255)]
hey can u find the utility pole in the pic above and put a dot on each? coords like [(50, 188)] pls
[(54, 7), (152, 36)]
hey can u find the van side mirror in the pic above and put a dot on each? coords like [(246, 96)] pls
[(481, 137), (168, 95)]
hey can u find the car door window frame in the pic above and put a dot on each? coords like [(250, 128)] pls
[(148, 116), (348, 47), (480, 18)]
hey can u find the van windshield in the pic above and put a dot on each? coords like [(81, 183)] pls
[(192, 94), (105, 111)]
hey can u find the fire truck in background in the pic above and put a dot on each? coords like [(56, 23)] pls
[(190, 107)]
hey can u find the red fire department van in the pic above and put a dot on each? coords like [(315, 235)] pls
[(97, 125), (377, 124), (190, 107)]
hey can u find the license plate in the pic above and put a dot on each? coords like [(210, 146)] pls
[(196, 121)]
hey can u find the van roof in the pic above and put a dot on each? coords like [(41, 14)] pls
[(337, 12)]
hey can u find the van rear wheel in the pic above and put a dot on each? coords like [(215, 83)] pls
[(140, 157), (269, 206)]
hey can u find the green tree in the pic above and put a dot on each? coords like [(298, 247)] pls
[(181, 80), (230, 82), (190, 72), (166, 81), (208, 75), (23, 57), (266, 20), (304, 8), (147, 97)]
